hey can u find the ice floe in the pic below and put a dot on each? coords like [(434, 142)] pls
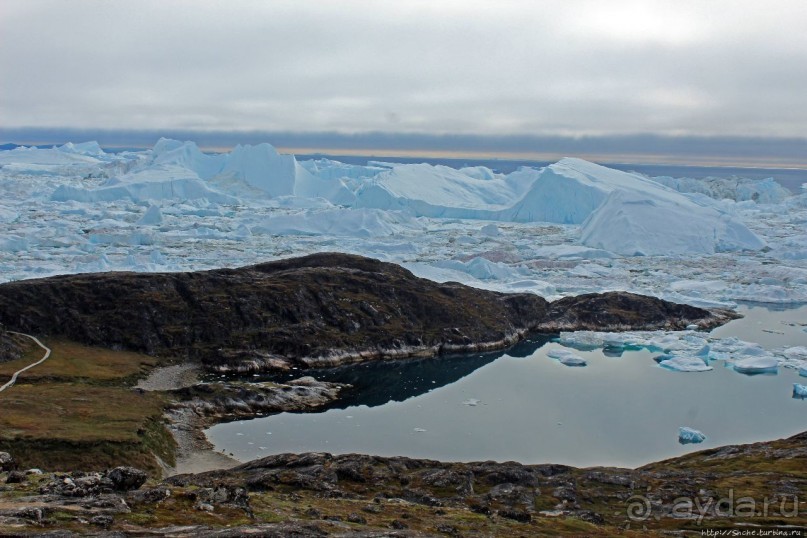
[(688, 435)]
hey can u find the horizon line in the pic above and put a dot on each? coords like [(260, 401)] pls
[(640, 148)]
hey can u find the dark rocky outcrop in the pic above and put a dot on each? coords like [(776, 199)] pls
[(7, 462), (617, 310), (214, 401), (10, 348), (317, 310)]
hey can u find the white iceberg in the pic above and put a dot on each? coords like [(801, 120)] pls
[(636, 224), (681, 363), (763, 364), (566, 357), (152, 217)]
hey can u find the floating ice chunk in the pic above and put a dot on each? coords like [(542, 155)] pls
[(764, 364), (473, 402), (685, 364), (14, 243), (796, 353), (420, 430), (571, 252), (572, 360), (799, 391), (564, 356), (152, 217), (7, 215), (688, 436), (803, 371), (482, 268), (491, 230)]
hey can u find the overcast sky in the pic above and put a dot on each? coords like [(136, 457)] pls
[(565, 67)]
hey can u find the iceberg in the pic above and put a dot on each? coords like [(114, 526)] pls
[(799, 391), (684, 364), (152, 217), (144, 187), (439, 191), (688, 436), (633, 224), (757, 365), (566, 357)]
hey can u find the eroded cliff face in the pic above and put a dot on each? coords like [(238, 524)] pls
[(316, 310)]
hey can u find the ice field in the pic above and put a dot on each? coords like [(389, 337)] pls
[(568, 228)]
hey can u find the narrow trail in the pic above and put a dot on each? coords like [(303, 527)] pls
[(40, 361)]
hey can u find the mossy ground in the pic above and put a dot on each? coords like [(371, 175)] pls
[(79, 410)]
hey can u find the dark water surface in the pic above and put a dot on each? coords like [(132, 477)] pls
[(522, 405)]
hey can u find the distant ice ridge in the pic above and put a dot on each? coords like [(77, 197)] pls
[(763, 191), (620, 212), (365, 223)]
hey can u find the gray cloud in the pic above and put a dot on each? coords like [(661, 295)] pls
[(575, 67)]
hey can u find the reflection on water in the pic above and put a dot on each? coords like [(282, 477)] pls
[(522, 405), (377, 383)]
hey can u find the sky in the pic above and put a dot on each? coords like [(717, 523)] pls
[(568, 69)]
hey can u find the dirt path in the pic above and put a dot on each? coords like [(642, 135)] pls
[(40, 361)]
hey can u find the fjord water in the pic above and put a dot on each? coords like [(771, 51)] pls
[(522, 405)]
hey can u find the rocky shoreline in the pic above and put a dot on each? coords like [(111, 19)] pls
[(318, 494)]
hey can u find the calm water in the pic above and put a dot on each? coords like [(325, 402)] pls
[(523, 406)]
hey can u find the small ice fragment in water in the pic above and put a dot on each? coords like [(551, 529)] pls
[(799, 391), (688, 435), (419, 430), (692, 327), (564, 356), (685, 364), (471, 402), (572, 360), (239, 433)]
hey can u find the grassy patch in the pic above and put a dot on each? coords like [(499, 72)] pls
[(79, 426), (77, 362), (77, 410)]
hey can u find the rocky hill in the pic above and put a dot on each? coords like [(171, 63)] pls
[(315, 310)]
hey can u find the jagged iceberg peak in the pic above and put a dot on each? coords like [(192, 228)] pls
[(91, 148)]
